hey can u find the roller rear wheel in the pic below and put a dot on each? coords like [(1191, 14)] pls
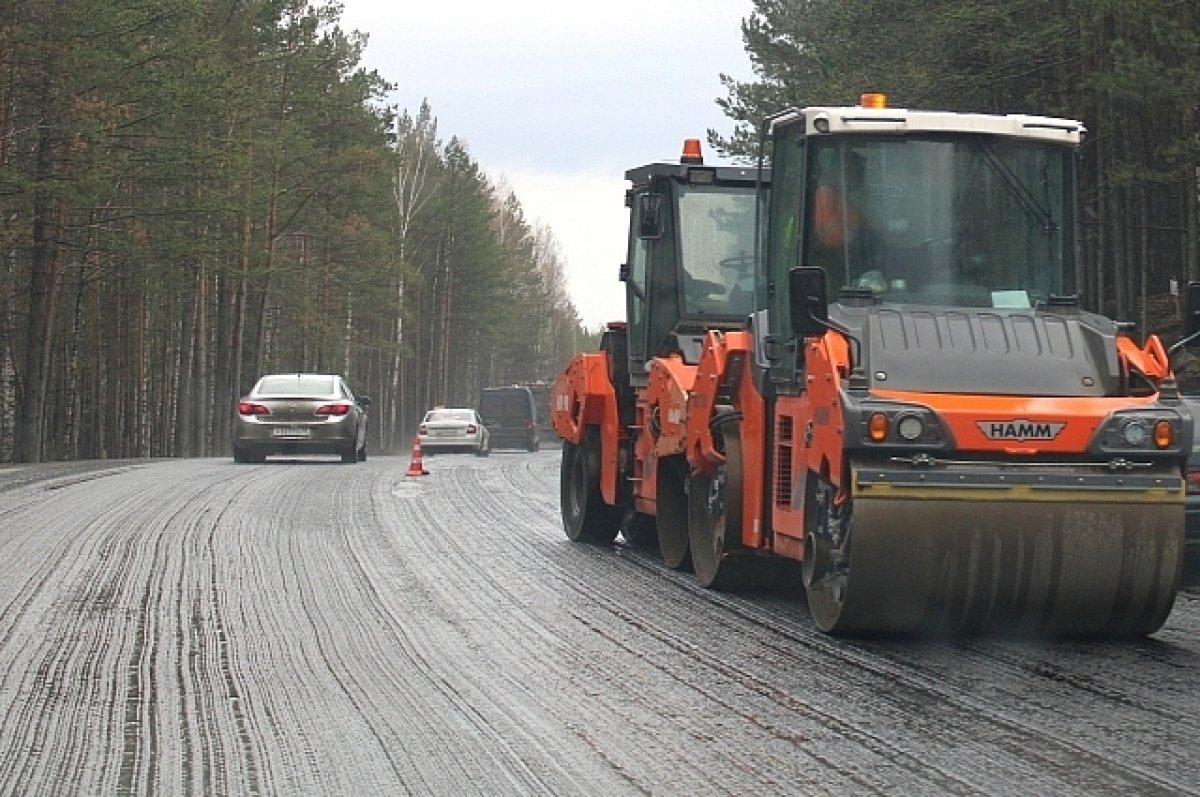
[(673, 514), (586, 518), (826, 568), (715, 511)]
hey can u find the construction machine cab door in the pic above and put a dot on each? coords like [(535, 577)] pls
[(784, 216), (650, 275), (691, 264), (633, 274)]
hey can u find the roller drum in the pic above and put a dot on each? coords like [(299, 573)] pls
[(1096, 563)]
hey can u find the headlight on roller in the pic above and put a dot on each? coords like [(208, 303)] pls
[(910, 428), (896, 424), (1141, 431), (1134, 433)]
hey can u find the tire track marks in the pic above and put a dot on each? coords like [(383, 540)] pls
[(1056, 747), (312, 628)]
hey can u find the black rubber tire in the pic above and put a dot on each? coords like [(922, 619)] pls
[(825, 583), (586, 518), (241, 455), (673, 514), (350, 454), (715, 512), (362, 452)]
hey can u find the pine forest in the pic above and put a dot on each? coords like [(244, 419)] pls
[(196, 192)]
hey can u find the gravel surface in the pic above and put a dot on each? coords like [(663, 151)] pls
[(306, 627)]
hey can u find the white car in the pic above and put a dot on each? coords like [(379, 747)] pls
[(453, 429)]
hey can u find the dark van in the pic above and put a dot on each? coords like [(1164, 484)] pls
[(541, 407), (510, 417)]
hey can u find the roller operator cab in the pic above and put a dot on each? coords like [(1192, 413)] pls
[(918, 408), (689, 270), (691, 255)]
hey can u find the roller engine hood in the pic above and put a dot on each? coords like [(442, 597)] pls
[(989, 351)]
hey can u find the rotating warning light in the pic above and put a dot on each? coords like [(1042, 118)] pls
[(873, 99), (691, 152)]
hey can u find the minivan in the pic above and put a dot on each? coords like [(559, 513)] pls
[(510, 417)]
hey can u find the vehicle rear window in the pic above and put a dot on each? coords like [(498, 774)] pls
[(507, 403), (450, 415), (297, 385)]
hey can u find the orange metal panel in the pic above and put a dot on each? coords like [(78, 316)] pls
[(963, 413)]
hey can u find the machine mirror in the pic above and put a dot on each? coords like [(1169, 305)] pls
[(650, 216), (1191, 315), (808, 301)]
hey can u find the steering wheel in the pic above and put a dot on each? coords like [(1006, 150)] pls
[(738, 262)]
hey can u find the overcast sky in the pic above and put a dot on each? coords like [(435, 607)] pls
[(557, 98)]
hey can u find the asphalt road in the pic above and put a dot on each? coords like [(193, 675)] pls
[(199, 627)]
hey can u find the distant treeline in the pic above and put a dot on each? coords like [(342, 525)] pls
[(1129, 69), (195, 192)]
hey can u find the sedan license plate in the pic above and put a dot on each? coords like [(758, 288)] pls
[(291, 431)]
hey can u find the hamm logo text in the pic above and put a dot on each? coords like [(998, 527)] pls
[(1020, 430)]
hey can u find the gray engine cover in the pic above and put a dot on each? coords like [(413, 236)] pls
[(985, 350)]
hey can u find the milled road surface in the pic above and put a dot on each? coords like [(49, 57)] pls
[(311, 628)]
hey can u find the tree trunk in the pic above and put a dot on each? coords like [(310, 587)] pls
[(43, 278)]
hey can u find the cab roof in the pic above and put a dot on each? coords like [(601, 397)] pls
[(689, 172), (822, 120)]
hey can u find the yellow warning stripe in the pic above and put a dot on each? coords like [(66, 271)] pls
[(1020, 492)]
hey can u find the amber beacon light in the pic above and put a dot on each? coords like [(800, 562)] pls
[(691, 151), (873, 99)]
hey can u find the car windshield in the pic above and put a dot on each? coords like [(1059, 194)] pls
[(450, 415), (296, 385)]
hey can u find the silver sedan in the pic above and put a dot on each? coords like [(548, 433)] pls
[(300, 414), (453, 429)]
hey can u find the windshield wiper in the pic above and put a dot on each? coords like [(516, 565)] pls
[(1025, 198)]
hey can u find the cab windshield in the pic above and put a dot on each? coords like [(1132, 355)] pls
[(716, 246), (977, 222)]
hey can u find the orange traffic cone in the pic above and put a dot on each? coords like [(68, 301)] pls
[(415, 467)]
